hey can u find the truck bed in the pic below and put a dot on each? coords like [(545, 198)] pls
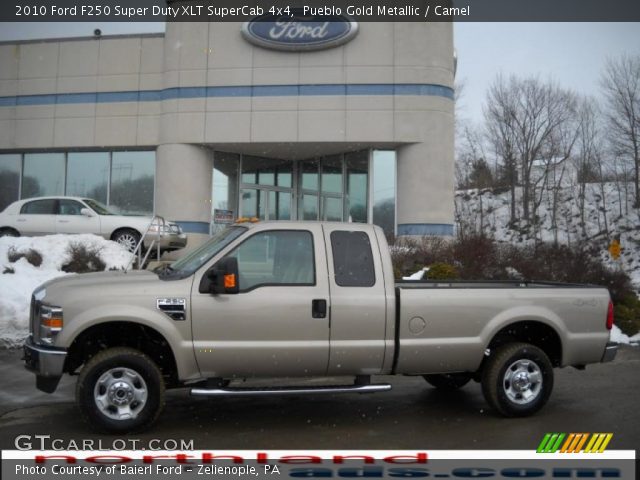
[(438, 329)]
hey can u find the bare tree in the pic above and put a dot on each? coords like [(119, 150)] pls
[(522, 116), (588, 148), (621, 86)]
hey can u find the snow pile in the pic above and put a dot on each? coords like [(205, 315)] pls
[(419, 275), (619, 337), (16, 288)]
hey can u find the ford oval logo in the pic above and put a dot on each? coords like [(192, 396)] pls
[(297, 32)]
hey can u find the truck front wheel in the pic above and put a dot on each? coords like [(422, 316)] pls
[(120, 390), (517, 379)]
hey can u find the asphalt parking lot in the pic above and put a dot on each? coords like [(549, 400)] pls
[(604, 398)]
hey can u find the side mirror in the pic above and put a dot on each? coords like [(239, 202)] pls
[(224, 276), (86, 212)]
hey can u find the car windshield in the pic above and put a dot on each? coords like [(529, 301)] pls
[(194, 260), (98, 207)]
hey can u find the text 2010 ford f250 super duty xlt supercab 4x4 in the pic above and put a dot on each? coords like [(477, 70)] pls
[(303, 299)]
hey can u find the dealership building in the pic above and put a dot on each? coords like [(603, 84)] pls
[(314, 120)]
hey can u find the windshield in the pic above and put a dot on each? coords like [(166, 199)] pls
[(194, 260), (98, 207)]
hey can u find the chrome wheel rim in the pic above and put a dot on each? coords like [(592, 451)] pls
[(522, 382), (128, 241), (120, 393)]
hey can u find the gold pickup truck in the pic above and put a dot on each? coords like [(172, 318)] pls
[(296, 300)]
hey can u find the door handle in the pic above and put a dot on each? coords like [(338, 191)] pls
[(319, 308), (63, 221)]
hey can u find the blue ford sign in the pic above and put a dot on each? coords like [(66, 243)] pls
[(298, 32)]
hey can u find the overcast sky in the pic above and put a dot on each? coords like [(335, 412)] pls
[(572, 54)]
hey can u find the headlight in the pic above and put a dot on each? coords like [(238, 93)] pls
[(51, 322), (159, 228)]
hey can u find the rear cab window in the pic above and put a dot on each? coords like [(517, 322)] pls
[(352, 259)]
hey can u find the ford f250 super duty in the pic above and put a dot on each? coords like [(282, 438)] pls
[(295, 300)]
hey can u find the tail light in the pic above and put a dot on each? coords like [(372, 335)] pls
[(610, 316)]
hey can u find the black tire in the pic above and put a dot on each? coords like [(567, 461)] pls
[(8, 232), (128, 238), (115, 379), (517, 379), (448, 381)]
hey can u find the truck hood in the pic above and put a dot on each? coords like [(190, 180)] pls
[(60, 290)]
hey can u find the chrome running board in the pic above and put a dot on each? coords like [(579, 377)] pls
[(248, 392)]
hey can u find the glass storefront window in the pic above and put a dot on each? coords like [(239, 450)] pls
[(309, 175), (308, 207), (132, 182), (384, 190), (332, 174), (253, 203), (357, 185), (88, 175), (9, 179), (279, 205), (332, 209), (225, 181), (266, 171), (43, 174)]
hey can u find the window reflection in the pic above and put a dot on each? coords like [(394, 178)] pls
[(88, 175), (43, 174), (132, 182), (9, 179), (357, 183), (384, 190), (225, 181), (332, 174)]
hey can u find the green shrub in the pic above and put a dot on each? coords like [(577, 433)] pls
[(627, 314), (442, 271)]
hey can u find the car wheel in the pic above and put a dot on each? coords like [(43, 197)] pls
[(517, 379), (448, 381), (120, 390), (8, 232), (128, 238)]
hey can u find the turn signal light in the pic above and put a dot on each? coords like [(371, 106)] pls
[(230, 281), (52, 322)]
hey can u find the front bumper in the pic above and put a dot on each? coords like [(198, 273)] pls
[(46, 362), (609, 352)]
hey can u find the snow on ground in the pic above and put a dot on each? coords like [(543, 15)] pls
[(16, 288), (619, 337)]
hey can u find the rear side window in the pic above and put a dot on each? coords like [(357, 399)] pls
[(352, 259), (39, 207)]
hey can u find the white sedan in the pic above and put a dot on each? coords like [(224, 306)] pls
[(48, 215)]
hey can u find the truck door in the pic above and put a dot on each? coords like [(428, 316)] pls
[(358, 300), (278, 323)]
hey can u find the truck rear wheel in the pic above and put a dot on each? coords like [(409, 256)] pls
[(517, 379), (448, 381), (120, 390)]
